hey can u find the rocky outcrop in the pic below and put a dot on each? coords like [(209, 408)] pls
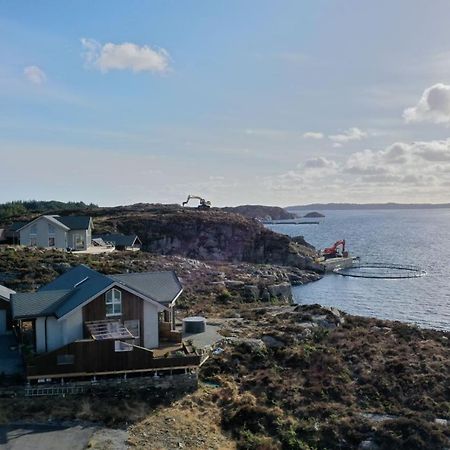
[(209, 235)]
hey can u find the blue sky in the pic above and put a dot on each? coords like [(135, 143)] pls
[(265, 102)]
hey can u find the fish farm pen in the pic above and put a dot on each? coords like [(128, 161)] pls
[(380, 270)]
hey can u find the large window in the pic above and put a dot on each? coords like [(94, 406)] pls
[(51, 241), (114, 303), (78, 241)]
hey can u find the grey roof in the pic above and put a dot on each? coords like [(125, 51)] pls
[(16, 225), (119, 239), (36, 304), (74, 222), (67, 222), (81, 283), (160, 286), (5, 292)]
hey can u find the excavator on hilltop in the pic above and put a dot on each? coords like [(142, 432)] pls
[(204, 204), (333, 251)]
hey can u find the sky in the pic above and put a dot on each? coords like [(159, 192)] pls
[(261, 102)]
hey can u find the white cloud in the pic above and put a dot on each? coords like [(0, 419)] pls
[(319, 163), (313, 135), (125, 56), (352, 134), (336, 145), (408, 172), (34, 74), (433, 106)]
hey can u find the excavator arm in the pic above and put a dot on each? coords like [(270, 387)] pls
[(333, 249), (204, 204)]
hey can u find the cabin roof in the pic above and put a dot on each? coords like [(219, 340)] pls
[(81, 284), (161, 286), (66, 222)]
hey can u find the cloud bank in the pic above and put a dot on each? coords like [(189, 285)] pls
[(125, 56), (401, 171)]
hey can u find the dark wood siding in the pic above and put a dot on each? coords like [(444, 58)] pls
[(132, 309), (4, 304), (95, 357)]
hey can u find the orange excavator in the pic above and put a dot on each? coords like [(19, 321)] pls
[(333, 252)]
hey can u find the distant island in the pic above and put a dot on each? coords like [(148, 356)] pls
[(313, 214), (261, 212), (355, 206)]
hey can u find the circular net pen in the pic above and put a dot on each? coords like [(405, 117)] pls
[(380, 270)]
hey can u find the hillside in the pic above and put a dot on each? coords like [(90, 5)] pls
[(212, 235)]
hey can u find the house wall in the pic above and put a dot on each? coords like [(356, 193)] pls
[(42, 234), (59, 332), (151, 326), (95, 357), (133, 308), (64, 331), (73, 327)]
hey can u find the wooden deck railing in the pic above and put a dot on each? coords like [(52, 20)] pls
[(90, 357)]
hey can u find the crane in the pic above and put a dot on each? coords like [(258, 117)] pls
[(204, 204), (332, 252)]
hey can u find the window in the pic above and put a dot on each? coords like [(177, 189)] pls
[(114, 303), (33, 242), (120, 346), (62, 360), (78, 241), (51, 229), (33, 229), (51, 241)]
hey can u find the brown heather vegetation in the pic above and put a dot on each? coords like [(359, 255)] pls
[(320, 389), (288, 377)]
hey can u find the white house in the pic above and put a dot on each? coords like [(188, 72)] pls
[(53, 231)]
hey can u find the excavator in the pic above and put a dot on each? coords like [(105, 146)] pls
[(204, 204), (332, 252)]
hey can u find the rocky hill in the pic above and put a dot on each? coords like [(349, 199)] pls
[(213, 235)]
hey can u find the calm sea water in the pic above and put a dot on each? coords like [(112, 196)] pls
[(416, 237)]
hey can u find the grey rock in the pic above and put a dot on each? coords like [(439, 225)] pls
[(368, 444), (272, 342)]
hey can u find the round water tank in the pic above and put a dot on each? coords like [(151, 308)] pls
[(196, 324)]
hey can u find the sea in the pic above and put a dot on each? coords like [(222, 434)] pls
[(419, 237)]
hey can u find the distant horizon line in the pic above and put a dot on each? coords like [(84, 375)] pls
[(378, 205)]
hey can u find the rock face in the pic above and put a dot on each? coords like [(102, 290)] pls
[(209, 235)]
